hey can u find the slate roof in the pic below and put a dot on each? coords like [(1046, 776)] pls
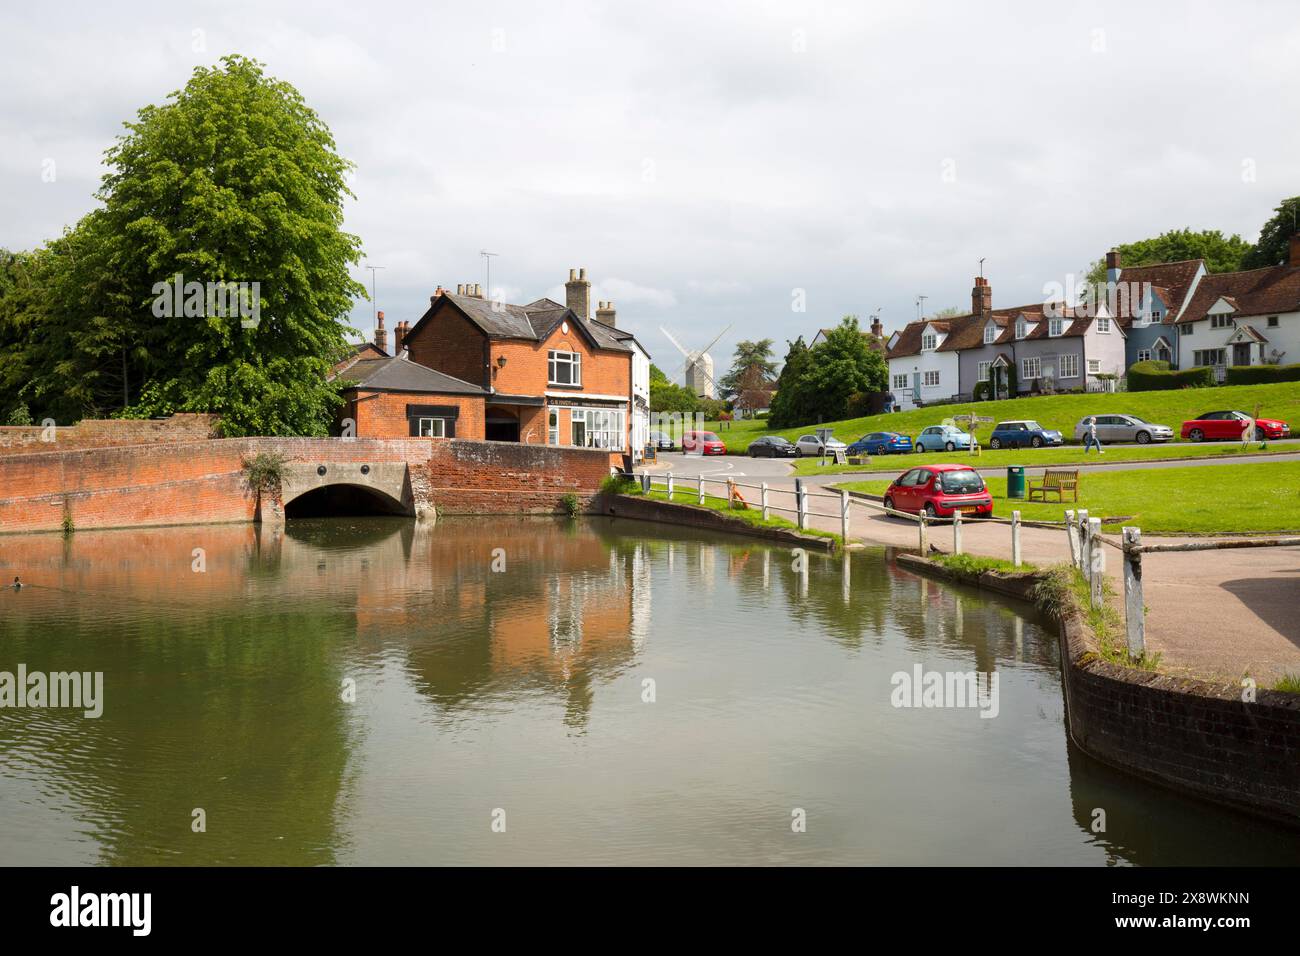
[(1259, 292), (403, 375), (533, 322)]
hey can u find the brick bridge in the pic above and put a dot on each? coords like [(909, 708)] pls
[(204, 481)]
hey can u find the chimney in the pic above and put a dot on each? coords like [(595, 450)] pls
[(981, 297), (381, 337), (437, 292), (1293, 253), (877, 327), (577, 293), (1112, 266), (478, 291), (399, 336), (605, 313)]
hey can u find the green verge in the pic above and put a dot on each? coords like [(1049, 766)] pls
[(1172, 408), (974, 564), (751, 515), (1031, 457), (1260, 497), (1063, 586)]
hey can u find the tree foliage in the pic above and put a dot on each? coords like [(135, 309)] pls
[(667, 397), (1274, 243), (828, 381), (752, 366), (1221, 253)]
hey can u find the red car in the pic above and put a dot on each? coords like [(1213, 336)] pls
[(703, 443), (1227, 426), (939, 491)]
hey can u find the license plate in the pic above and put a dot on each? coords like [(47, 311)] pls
[(969, 511)]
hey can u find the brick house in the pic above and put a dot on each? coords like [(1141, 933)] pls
[(541, 373)]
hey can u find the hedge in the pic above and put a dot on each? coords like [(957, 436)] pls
[(1262, 374), (1155, 376)]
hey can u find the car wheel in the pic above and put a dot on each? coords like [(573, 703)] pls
[(1144, 438), (918, 448), (1259, 434), (1196, 435), (1037, 442), (930, 511), (995, 443), (798, 452), (951, 446), (889, 503)]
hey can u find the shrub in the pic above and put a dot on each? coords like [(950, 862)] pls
[(619, 484), (571, 505), (981, 392), (1262, 374), (265, 472), (1155, 375), (20, 415)]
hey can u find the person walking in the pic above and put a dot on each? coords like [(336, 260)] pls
[(1090, 437)]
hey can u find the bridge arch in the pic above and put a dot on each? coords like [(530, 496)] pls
[(320, 489)]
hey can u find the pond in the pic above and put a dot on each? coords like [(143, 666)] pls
[(538, 691)]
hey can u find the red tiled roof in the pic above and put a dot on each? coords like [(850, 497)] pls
[(1267, 291), (1170, 279)]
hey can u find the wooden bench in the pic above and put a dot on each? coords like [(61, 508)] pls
[(1056, 481)]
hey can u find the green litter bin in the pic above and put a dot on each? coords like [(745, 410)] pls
[(1015, 481)]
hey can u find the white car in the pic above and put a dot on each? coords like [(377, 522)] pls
[(811, 445)]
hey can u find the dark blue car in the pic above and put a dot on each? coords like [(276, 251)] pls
[(881, 443), (1024, 434)]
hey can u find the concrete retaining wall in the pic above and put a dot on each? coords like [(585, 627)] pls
[(693, 516)]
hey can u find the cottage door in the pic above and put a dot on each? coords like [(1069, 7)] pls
[(1241, 353)]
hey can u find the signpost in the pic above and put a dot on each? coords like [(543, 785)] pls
[(968, 423)]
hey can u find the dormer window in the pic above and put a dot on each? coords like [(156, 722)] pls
[(1022, 328), (929, 342), (990, 334), (1221, 320), (1055, 327), (1103, 324), (1156, 315)]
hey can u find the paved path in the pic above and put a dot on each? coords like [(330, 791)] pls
[(1215, 614)]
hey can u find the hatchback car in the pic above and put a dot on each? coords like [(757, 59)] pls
[(703, 443), (661, 441), (1227, 426), (881, 443), (940, 491), (942, 438), (812, 445), (771, 446), (1024, 434), (1113, 428)]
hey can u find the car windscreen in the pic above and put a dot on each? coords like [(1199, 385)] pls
[(708, 436), (1033, 426), (961, 482)]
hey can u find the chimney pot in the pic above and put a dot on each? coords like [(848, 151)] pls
[(381, 337), (577, 293)]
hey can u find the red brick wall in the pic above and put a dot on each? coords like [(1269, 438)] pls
[(383, 414), (107, 433), (450, 343), (203, 482)]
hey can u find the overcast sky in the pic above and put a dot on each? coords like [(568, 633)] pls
[(706, 161)]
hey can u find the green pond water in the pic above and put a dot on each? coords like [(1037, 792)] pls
[(528, 691)]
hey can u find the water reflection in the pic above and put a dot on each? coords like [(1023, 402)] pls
[(505, 664)]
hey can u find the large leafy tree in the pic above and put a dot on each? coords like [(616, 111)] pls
[(667, 397), (233, 180), (827, 382), (1274, 243), (752, 364)]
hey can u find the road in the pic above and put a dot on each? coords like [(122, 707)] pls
[(1217, 614)]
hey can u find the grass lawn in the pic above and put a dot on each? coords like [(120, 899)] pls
[(1030, 457), (1212, 499), (751, 515), (1172, 408)]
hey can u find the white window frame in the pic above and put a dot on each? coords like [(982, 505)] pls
[(1156, 315), (553, 425), (557, 358), (990, 333), (1055, 327), (1094, 366), (436, 427), (1144, 355), (983, 371), (1221, 320), (1069, 366), (1025, 366), (930, 378), (1103, 325), (900, 380), (601, 427), (929, 342), (1022, 328)]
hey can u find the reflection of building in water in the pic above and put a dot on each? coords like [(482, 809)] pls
[(640, 595)]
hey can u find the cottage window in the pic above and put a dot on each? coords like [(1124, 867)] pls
[(1055, 327), (433, 428), (1144, 355), (1022, 328), (929, 342), (1221, 320), (990, 333), (564, 368), (1069, 366), (1186, 329), (1272, 321), (900, 381), (982, 372), (931, 379), (1094, 366), (1103, 324), (1031, 368), (1156, 315)]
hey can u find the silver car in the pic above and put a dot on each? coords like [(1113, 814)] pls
[(812, 445), (1116, 428)]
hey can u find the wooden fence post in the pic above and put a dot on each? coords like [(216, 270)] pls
[(1084, 553), (701, 501), (924, 540), (670, 486), (956, 532), (645, 482), (844, 516), (1096, 561), (1134, 607), (1015, 538), (800, 504), (1072, 532), (763, 492)]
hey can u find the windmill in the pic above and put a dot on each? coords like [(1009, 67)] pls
[(698, 366)]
